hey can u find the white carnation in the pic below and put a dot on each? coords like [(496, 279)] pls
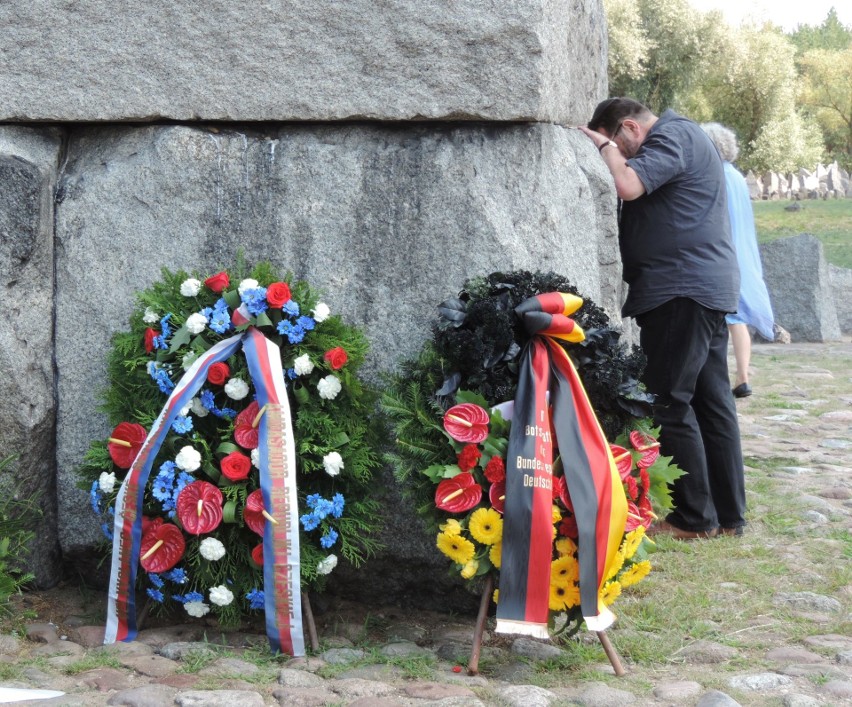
[(221, 595), (196, 608), (188, 459), (333, 463), (107, 481), (150, 316), (302, 365), (198, 408), (321, 312), (327, 565), (196, 323), (329, 387), (236, 389), (185, 410), (255, 457), (188, 359), (190, 287), (247, 284), (211, 549)]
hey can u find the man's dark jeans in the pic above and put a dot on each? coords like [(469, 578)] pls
[(687, 349)]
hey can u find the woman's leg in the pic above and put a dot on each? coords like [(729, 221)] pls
[(742, 351)]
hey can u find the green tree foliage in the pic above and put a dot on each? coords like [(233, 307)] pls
[(831, 35), (826, 95), (784, 144)]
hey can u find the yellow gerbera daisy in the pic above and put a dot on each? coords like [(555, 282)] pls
[(610, 592), (555, 514), (496, 596), (469, 570), (635, 574), (564, 570), (564, 596), (495, 554), (617, 564), (566, 546), (458, 548), (452, 527), (486, 526), (632, 541)]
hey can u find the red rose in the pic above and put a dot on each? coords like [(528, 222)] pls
[(278, 294), (336, 357), (218, 282), (235, 466), (150, 335), (218, 373), (257, 554), (495, 470), (469, 457)]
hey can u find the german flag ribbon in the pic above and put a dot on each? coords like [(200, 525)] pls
[(590, 474), (281, 563)]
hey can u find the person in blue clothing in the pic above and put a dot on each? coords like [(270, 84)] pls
[(754, 307), (682, 275)]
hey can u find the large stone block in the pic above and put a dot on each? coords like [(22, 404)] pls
[(841, 288), (796, 274), (388, 220), (28, 166), (302, 60)]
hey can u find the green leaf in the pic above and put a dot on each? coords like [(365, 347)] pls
[(263, 320), (180, 338), (232, 299), (468, 396)]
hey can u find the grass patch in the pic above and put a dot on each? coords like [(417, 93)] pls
[(830, 221), (94, 659)]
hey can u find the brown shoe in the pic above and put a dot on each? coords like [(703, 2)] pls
[(663, 527), (733, 532)]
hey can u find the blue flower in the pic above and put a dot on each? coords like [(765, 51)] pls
[(206, 399), (155, 594), (307, 323), (255, 300), (164, 326), (323, 508), (176, 575), (220, 319), (155, 580), (182, 424), (329, 538), (162, 488), (188, 597), (309, 521), (296, 335), (290, 373), (183, 480), (291, 308), (337, 504), (313, 499), (256, 599), (284, 327), (106, 529), (95, 497), (229, 413)]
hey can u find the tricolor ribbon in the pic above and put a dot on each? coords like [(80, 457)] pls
[(592, 479), (281, 564)]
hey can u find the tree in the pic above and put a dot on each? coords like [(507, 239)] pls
[(628, 44), (785, 144), (827, 96), (831, 34)]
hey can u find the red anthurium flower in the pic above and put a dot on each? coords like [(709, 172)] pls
[(646, 444), (644, 480), (623, 460), (459, 494), (466, 423), (149, 524), (497, 496), (253, 514), (568, 527), (278, 294), (235, 466), (150, 335), (495, 469), (245, 430), (125, 442), (634, 518), (632, 488), (336, 357), (564, 496), (162, 548), (199, 507), (468, 457), (646, 511), (218, 282), (218, 373), (257, 554)]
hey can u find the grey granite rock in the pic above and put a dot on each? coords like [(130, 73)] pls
[(28, 171), (716, 698), (219, 698), (526, 696), (145, 696), (807, 601), (760, 681), (303, 60), (537, 650)]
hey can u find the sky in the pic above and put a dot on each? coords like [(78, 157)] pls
[(786, 13)]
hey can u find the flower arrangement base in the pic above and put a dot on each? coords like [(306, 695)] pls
[(487, 592)]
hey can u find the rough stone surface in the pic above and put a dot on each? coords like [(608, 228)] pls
[(303, 60), (760, 681), (385, 220), (145, 696), (841, 286), (219, 698), (28, 169), (677, 692), (530, 648), (808, 601), (707, 652), (527, 696), (716, 698), (796, 274)]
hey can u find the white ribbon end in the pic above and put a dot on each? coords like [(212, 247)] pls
[(522, 628), (601, 622)]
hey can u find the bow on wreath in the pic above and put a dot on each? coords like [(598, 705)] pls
[(281, 565), (590, 473)]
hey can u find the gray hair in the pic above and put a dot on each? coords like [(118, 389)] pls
[(724, 139)]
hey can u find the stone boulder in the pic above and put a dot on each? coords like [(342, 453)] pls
[(841, 287), (28, 165), (302, 60), (796, 274)]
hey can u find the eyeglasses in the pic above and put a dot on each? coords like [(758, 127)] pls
[(617, 130)]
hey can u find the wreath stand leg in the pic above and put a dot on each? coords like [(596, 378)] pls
[(611, 653), (309, 621), (473, 665)]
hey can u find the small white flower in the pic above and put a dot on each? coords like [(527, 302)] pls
[(236, 389), (188, 459), (199, 409), (196, 323), (333, 463), (211, 549), (302, 365), (190, 287), (329, 387), (321, 312), (107, 481), (184, 411), (221, 595), (150, 316), (196, 608), (247, 284), (188, 359), (327, 565), (255, 457)]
